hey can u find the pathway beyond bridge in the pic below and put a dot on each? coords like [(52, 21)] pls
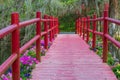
[(69, 58)]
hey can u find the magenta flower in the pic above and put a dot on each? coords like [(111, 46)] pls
[(4, 77)]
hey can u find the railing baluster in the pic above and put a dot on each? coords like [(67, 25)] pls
[(51, 32), (105, 40), (53, 29), (94, 35), (38, 32), (58, 26), (15, 47), (88, 27), (83, 28), (46, 35)]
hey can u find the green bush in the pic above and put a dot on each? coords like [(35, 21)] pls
[(110, 60), (116, 70)]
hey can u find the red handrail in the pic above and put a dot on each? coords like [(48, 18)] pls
[(14, 29), (104, 34)]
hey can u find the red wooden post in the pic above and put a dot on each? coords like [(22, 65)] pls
[(83, 28), (76, 27), (46, 30), (94, 35), (57, 26), (88, 27), (51, 28), (105, 40), (38, 32), (79, 26), (15, 47)]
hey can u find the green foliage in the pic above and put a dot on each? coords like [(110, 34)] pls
[(25, 71), (68, 23), (99, 51), (32, 53), (110, 60), (116, 70), (117, 38)]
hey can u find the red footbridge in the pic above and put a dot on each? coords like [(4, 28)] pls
[(69, 57)]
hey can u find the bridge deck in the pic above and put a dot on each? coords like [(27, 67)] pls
[(69, 58)]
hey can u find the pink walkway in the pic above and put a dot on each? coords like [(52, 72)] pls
[(69, 58)]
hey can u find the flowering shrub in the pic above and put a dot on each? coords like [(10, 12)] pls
[(27, 63)]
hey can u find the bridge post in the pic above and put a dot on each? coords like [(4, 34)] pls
[(58, 25), (88, 27), (77, 26), (46, 30), (80, 27), (94, 35), (83, 28), (53, 25), (105, 40), (15, 47), (51, 32), (38, 32)]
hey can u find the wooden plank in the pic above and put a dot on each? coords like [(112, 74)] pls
[(69, 58)]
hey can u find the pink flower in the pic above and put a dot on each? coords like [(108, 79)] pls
[(10, 75), (4, 77), (36, 61)]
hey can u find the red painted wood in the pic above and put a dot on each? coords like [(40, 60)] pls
[(51, 32), (117, 43), (7, 30), (76, 27), (94, 35), (69, 58), (14, 59), (113, 20), (105, 40), (58, 26), (79, 26), (15, 47), (4, 66), (83, 28), (38, 41), (88, 27), (28, 22), (53, 29), (46, 35)]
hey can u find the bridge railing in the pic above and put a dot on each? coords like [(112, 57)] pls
[(50, 28), (83, 29)]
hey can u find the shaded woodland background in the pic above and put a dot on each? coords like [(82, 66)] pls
[(66, 10)]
